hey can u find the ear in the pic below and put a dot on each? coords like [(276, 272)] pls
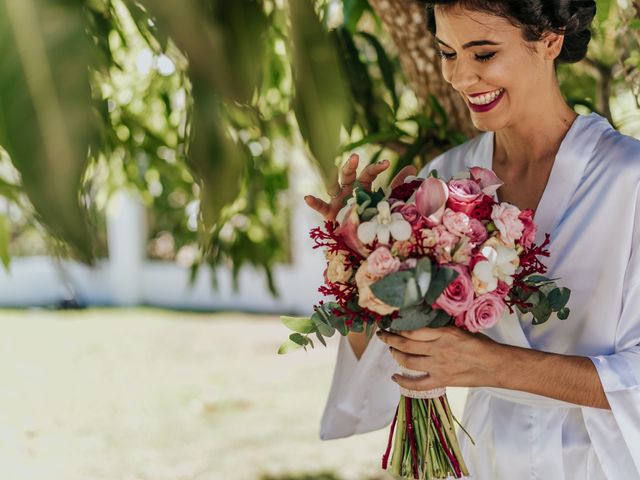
[(552, 45)]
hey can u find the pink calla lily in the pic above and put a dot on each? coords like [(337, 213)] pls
[(489, 181), (348, 229), (431, 199)]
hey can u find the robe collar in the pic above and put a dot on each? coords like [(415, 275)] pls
[(576, 149), (568, 169)]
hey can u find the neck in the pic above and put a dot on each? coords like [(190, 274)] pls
[(536, 137)]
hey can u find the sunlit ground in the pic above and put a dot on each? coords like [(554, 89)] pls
[(150, 394)]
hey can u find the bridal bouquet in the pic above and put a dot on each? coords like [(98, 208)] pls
[(429, 253)]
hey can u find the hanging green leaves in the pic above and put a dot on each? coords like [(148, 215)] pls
[(321, 99), (46, 118)]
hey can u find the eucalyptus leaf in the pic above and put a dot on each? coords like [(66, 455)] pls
[(299, 339), (559, 298), (563, 313), (439, 282), (398, 289), (423, 275), (542, 310), (288, 346), (412, 318), (298, 324), (321, 339), (321, 326)]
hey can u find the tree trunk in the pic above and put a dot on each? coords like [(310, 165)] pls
[(406, 22)]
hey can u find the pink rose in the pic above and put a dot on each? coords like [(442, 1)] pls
[(458, 296), (506, 218), (477, 231), (502, 290), (366, 298), (530, 228), (445, 243), (484, 313), (456, 222), (463, 252), (381, 262), (464, 195), (410, 213)]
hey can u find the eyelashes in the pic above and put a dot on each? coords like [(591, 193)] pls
[(480, 58)]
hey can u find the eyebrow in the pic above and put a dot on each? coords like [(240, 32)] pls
[(474, 43)]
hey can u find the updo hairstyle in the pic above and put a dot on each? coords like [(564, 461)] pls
[(536, 17)]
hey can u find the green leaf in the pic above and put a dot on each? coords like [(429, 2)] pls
[(47, 122), (321, 326), (215, 159), (398, 289), (321, 339), (541, 310), (439, 282), (298, 324), (5, 239), (558, 298), (412, 318), (423, 275), (386, 67), (288, 346), (321, 99), (604, 9), (352, 11), (224, 41), (441, 319), (299, 339), (563, 313)]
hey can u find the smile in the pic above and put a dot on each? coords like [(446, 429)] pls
[(486, 101)]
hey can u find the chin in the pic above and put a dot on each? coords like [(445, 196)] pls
[(485, 123)]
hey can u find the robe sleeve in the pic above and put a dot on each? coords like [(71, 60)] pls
[(363, 397), (619, 374)]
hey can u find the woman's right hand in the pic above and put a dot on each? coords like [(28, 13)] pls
[(345, 185)]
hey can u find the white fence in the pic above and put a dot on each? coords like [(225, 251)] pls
[(127, 278)]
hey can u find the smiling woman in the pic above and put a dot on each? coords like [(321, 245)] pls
[(559, 400)]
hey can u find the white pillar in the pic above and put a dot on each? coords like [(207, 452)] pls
[(127, 237)]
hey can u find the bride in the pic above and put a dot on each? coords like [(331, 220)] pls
[(559, 400)]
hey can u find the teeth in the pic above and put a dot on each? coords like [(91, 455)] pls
[(486, 98)]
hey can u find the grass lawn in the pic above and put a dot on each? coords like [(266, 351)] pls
[(156, 395)]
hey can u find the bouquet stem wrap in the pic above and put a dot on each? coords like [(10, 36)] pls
[(422, 440)]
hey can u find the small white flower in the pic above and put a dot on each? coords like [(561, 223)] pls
[(383, 226), (501, 264)]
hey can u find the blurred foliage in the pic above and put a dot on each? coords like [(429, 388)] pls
[(197, 105)]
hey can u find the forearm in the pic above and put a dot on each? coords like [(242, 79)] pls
[(568, 378)]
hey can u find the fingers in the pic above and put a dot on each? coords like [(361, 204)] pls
[(407, 171), (371, 172), (323, 208), (420, 363), (404, 344), (349, 171), (426, 334)]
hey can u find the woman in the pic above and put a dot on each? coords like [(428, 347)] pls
[(559, 400)]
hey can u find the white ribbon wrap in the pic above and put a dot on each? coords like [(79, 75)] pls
[(435, 393)]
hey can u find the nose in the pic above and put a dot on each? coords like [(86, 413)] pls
[(461, 74)]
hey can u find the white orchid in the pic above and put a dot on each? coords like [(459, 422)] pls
[(501, 264), (383, 226)]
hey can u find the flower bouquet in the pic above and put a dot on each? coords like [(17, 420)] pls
[(428, 253)]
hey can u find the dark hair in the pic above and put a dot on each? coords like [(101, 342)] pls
[(536, 17)]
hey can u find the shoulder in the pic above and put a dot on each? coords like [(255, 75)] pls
[(618, 154), (460, 157)]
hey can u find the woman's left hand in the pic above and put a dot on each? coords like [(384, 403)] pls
[(452, 357)]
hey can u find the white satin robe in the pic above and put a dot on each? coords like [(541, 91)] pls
[(591, 208)]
